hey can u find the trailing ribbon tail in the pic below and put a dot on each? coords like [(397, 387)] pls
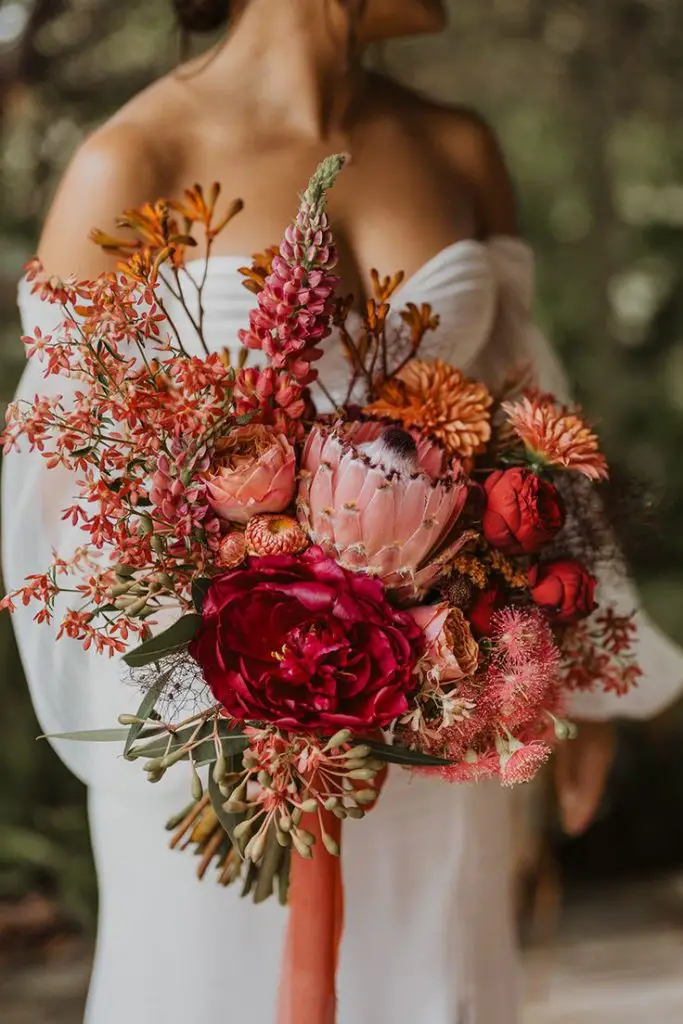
[(308, 984)]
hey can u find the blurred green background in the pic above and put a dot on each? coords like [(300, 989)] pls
[(586, 98)]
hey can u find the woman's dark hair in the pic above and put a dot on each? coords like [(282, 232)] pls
[(201, 15)]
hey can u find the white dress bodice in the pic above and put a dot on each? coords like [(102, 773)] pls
[(428, 936)]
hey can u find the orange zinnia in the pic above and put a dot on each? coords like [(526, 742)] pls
[(554, 436), (438, 400)]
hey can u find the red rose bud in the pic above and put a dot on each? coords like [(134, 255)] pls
[(523, 512), (305, 644), (564, 590), (481, 613)]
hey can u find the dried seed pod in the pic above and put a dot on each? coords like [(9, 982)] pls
[(168, 760), (240, 792), (255, 847), (136, 607), (331, 846), (197, 787), (243, 829), (130, 720), (360, 752), (366, 796), (355, 812), (339, 739), (220, 768), (283, 838), (236, 806), (301, 848)]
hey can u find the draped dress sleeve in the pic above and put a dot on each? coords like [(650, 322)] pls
[(72, 689), (515, 339)]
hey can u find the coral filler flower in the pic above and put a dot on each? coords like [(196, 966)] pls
[(554, 436), (304, 644)]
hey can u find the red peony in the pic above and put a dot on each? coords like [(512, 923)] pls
[(565, 590), (302, 643), (523, 512), (487, 603)]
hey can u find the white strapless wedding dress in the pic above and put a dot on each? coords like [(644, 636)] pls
[(428, 937)]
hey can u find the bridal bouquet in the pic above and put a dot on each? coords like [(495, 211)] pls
[(405, 577)]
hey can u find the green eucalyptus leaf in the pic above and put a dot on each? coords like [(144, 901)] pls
[(402, 756), (89, 736), (144, 712), (250, 876), (173, 639), (200, 588), (269, 868), (284, 876)]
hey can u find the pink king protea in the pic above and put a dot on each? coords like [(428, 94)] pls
[(379, 502)]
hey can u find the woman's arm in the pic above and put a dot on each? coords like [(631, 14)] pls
[(72, 689), (582, 766)]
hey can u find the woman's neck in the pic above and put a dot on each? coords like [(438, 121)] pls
[(294, 63)]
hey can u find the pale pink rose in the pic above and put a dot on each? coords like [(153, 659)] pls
[(451, 648), (253, 471)]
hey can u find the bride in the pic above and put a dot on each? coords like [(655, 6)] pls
[(428, 936)]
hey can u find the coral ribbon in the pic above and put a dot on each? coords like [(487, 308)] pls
[(308, 993), (316, 899)]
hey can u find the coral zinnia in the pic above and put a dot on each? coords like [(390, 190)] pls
[(554, 436), (438, 400)]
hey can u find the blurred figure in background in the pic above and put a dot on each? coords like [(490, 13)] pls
[(427, 192)]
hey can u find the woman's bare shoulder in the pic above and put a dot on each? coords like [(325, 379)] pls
[(130, 159), (471, 147), (474, 151)]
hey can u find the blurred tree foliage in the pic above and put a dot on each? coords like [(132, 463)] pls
[(585, 95)]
